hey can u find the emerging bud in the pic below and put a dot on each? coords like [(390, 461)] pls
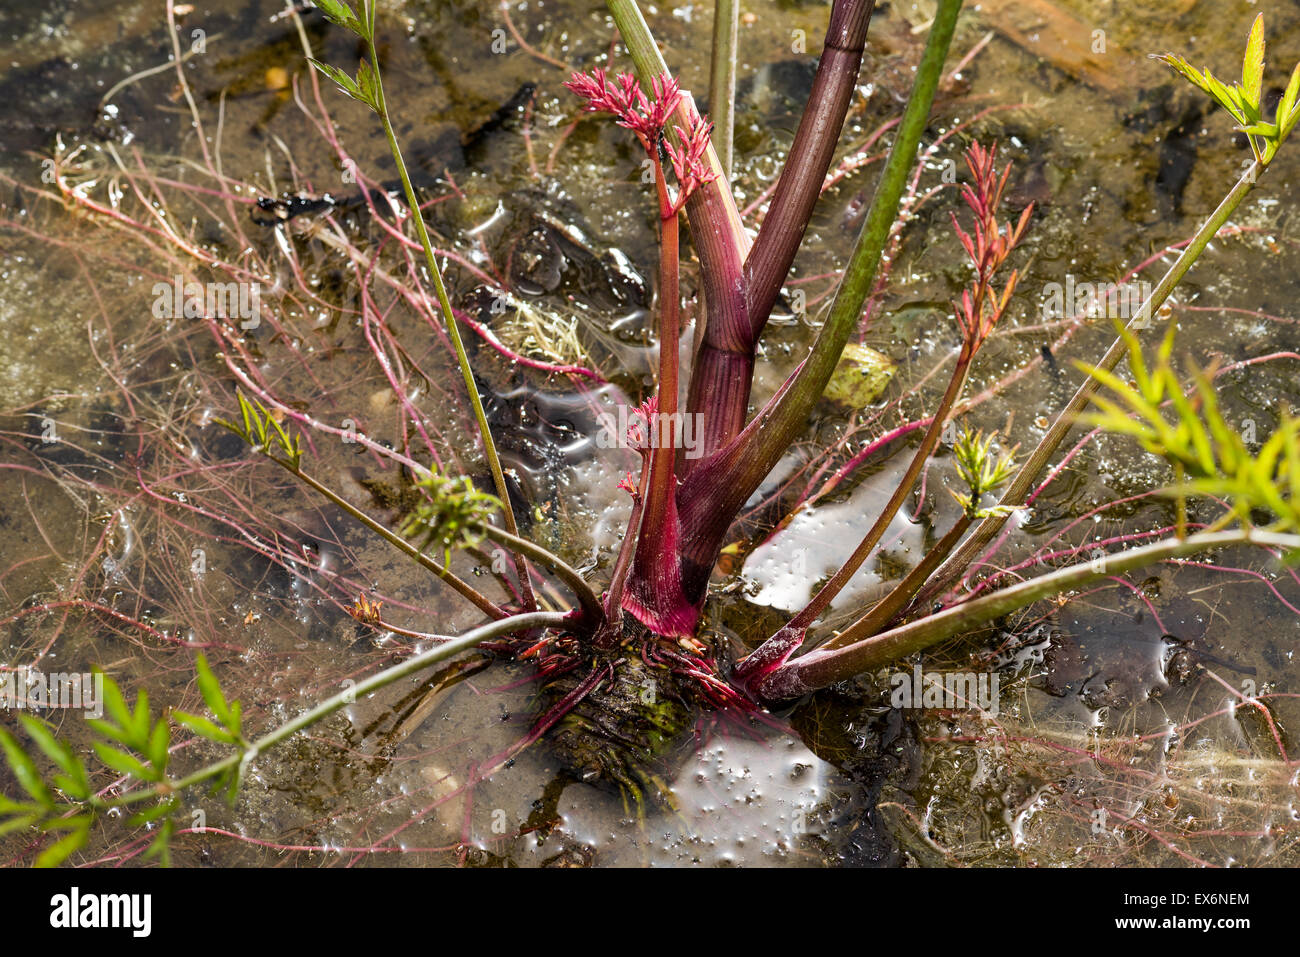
[(644, 116), (689, 162), (988, 246), (641, 426), (647, 117), (366, 611)]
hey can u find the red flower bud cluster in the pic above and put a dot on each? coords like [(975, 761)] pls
[(689, 162), (982, 306), (641, 424), (647, 117), (644, 116)]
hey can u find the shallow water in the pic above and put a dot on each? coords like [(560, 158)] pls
[(1090, 717)]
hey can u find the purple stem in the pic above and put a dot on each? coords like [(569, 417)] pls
[(739, 289), (782, 231)]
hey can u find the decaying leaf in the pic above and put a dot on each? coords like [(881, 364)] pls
[(860, 378)]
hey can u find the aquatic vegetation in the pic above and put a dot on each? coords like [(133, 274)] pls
[(596, 657)]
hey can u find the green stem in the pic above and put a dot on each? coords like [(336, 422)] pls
[(449, 317), (592, 613), (820, 668), (790, 415), (636, 36), (480, 601), (722, 79), (1018, 490), (539, 619), (712, 208), (884, 611)]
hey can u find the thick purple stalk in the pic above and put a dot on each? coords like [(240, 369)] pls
[(721, 243), (724, 363), (713, 492), (810, 158), (738, 304)]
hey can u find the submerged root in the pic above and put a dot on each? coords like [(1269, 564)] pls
[(621, 733), (627, 729)]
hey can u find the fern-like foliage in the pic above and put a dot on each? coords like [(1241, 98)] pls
[(260, 429), (131, 743), (452, 514), (1244, 100), (1188, 430), (364, 87), (983, 471)]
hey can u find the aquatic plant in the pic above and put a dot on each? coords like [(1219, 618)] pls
[(591, 655)]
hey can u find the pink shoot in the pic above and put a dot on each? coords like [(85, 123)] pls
[(981, 306), (647, 117), (688, 161)]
